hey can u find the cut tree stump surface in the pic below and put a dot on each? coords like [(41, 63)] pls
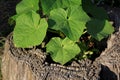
[(20, 64), (110, 59)]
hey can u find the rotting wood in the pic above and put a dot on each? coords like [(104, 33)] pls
[(20, 64)]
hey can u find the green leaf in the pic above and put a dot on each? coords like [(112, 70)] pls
[(93, 10), (68, 3), (27, 5), (30, 30), (62, 50), (15, 17), (53, 4), (71, 22), (99, 29)]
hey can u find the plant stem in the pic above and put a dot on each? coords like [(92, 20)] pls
[(61, 34)]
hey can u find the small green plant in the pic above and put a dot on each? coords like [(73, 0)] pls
[(69, 19)]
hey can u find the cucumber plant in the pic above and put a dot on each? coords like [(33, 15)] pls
[(70, 19)]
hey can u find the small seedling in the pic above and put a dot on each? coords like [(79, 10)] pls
[(69, 19)]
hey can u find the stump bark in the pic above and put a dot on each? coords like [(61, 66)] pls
[(12, 69), (32, 64), (20, 64), (110, 59)]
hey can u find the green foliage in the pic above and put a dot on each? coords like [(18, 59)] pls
[(27, 5), (99, 29), (58, 4), (62, 50), (71, 22), (93, 10), (30, 30), (68, 18)]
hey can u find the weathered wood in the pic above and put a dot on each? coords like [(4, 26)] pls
[(13, 69), (110, 59), (20, 64)]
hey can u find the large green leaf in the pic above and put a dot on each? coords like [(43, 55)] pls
[(93, 10), (62, 50), (48, 5), (30, 30), (27, 5), (71, 22), (99, 29)]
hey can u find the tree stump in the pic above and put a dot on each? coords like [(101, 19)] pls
[(32, 64), (110, 59), (13, 69), (21, 64)]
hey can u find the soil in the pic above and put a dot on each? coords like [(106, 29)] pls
[(7, 9)]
